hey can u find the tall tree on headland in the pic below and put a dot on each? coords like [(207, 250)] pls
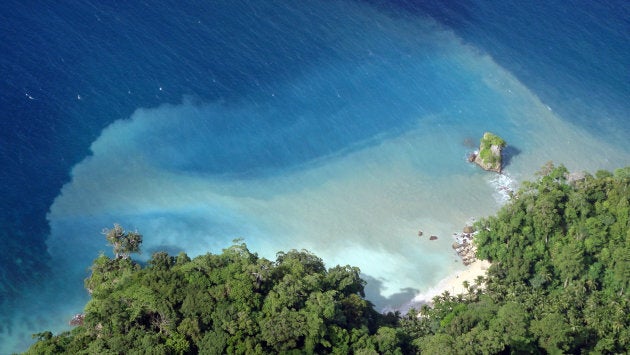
[(123, 242)]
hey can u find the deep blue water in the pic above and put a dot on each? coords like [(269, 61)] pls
[(572, 53), (71, 69)]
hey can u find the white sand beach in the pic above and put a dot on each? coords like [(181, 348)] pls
[(453, 283)]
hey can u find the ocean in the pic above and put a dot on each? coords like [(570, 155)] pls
[(341, 127)]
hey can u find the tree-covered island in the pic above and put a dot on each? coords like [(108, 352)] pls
[(559, 280)]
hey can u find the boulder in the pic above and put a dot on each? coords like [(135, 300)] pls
[(469, 229)]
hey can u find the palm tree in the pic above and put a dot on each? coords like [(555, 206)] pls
[(468, 287), (479, 280)]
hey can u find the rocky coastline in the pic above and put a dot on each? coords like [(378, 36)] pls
[(464, 245)]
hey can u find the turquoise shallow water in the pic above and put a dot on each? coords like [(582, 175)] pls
[(339, 127)]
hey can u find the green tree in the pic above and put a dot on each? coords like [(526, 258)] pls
[(123, 242), (553, 333), (558, 283)]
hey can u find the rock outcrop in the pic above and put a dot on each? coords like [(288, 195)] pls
[(489, 155), (464, 245)]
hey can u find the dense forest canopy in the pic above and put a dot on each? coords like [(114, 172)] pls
[(234, 302), (560, 253)]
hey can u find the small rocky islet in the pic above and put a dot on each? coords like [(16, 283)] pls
[(489, 157)]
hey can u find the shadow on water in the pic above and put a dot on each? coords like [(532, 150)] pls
[(508, 153), (398, 301)]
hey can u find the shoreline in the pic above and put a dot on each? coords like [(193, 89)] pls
[(466, 250), (453, 282)]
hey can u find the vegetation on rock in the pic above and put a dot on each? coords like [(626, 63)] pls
[(489, 155)]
